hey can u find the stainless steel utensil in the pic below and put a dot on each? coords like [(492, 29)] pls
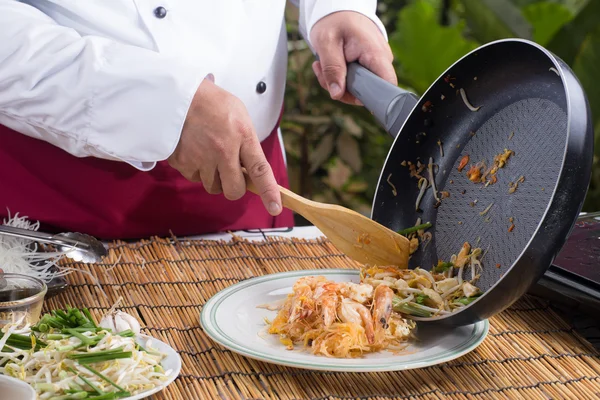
[(80, 247)]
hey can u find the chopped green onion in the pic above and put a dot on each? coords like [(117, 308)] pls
[(22, 342), (420, 298), (99, 356), (73, 396), (466, 300), (409, 308), (104, 378), (90, 384), (107, 357), (84, 339), (414, 229), (103, 352), (56, 336), (443, 266), (127, 333), (89, 317), (106, 396)]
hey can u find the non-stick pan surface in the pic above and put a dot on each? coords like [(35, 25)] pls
[(532, 104)]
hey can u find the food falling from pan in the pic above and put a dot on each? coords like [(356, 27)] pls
[(346, 319)]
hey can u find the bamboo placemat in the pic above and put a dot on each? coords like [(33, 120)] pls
[(529, 353)]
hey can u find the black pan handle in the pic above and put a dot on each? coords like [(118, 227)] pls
[(390, 104)]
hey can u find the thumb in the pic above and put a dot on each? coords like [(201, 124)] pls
[(333, 68)]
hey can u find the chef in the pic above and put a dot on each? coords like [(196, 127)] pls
[(131, 118)]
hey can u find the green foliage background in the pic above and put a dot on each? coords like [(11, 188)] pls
[(336, 152)]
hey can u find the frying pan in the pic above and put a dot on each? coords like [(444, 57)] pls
[(531, 103)]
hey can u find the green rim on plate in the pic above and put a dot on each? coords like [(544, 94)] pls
[(214, 330)]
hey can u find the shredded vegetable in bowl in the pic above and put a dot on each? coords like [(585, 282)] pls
[(346, 319), (68, 356)]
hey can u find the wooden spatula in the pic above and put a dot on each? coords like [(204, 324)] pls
[(359, 237)]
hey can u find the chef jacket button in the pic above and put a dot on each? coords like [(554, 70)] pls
[(261, 87), (160, 12)]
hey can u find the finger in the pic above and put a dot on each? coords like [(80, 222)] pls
[(333, 66), (190, 175), (261, 174), (232, 178), (346, 98), (319, 74), (194, 177), (211, 180), (380, 65)]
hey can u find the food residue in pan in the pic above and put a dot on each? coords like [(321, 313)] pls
[(463, 163), (422, 186), (432, 180), (511, 135), (554, 70), (479, 173), (427, 106), (439, 142), (487, 209), (463, 95), (474, 173), (512, 225), (448, 80), (394, 191), (415, 171), (512, 186)]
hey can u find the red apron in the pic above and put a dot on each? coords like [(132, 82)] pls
[(113, 200)]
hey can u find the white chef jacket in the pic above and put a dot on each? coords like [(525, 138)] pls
[(114, 79)]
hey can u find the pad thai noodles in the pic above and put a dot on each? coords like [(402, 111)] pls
[(346, 319)]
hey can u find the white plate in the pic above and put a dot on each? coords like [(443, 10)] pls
[(231, 318), (172, 362)]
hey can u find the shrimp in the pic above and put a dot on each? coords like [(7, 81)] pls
[(355, 313), (382, 306), (327, 297), (357, 292)]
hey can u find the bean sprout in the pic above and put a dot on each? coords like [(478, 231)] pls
[(466, 101), (432, 179), (423, 185)]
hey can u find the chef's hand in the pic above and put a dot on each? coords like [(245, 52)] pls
[(217, 140), (344, 37)]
